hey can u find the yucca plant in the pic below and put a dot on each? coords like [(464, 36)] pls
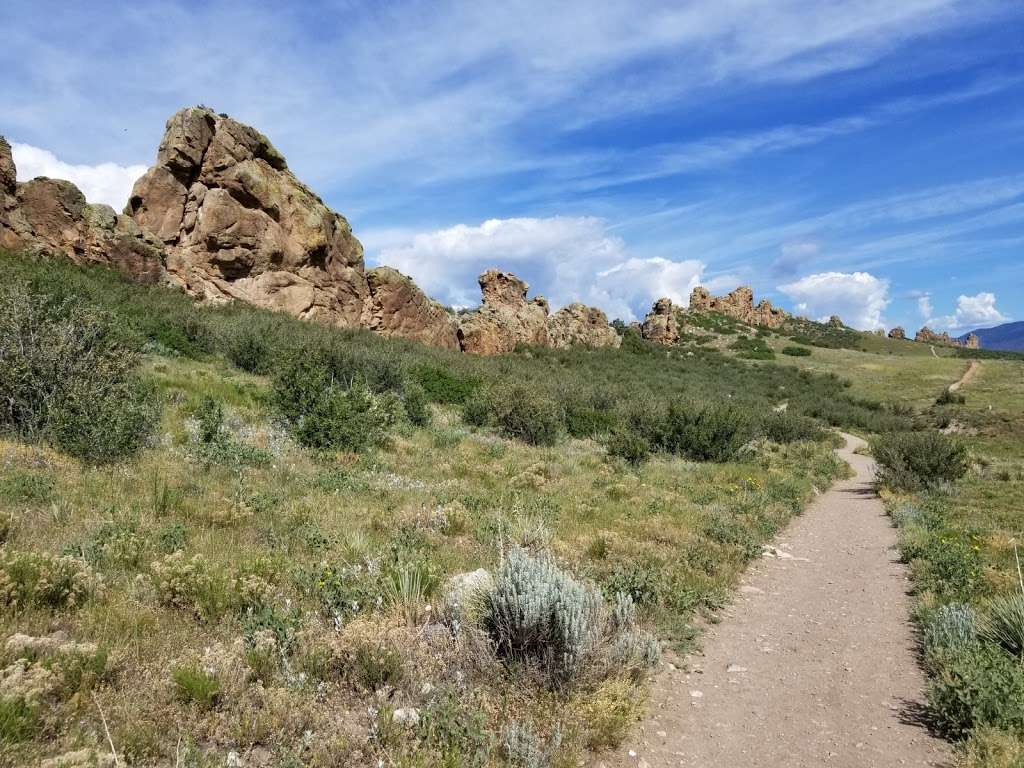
[(406, 590), (1004, 624)]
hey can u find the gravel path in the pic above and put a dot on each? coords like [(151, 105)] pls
[(812, 665)]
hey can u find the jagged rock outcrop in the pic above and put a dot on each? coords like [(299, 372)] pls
[(929, 336), (660, 325), (505, 318), (836, 321), (972, 341), (51, 216), (396, 307), (897, 333), (239, 225), (221, 216), (580, 325), (739, 304)]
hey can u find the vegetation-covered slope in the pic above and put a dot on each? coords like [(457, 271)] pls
[(311, 546)]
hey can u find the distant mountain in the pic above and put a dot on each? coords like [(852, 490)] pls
[(1008, 336)]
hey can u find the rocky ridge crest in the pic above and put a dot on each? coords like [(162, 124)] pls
[(221, 216), (738, 304)]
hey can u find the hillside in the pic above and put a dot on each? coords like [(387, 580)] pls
[(1008, 337), (232, 531)]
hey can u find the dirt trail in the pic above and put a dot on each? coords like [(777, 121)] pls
[(812, 665), (972, 369)]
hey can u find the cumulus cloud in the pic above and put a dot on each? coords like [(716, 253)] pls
[(976, 311), (565, 258), (859, 298), (924, 305), (104, 183)]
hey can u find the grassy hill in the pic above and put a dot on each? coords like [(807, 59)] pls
[(230, 531)]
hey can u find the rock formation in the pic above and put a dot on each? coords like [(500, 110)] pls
[(836, 321), (238, 224), (927, 335), (221, 216), (51, 216), (580, 325), (505, 318), (661, 325), (972, 341), (738, 304), (396, 307), (897, 333)]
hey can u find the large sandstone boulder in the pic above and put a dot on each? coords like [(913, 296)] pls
[(972, 341), (397, 307), (897, 333), (51, 216), (239, 225), (660, 325), (739, 305), (580, 325), (505, 318)]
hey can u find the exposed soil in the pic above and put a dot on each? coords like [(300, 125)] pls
[(814, 662), (969, 374)]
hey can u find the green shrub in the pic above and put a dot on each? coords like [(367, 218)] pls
[(416, 403), (588, 414), (949, 397), (194, 685), (444, 385), (523, 415), (300, 382), (352, 419), (707, 433), (641, 581), (911, 461), (210, 415), (631, 447), (250, 341), (979, 687), (784, 427), (476, 411), (795, 351), (752, 349), (69, 376)]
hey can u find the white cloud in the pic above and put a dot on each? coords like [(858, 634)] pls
[(104, 183), (859, 298), (565, 258), (978, 311), (924, 306)]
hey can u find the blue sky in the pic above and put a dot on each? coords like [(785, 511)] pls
[(862, 157)]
